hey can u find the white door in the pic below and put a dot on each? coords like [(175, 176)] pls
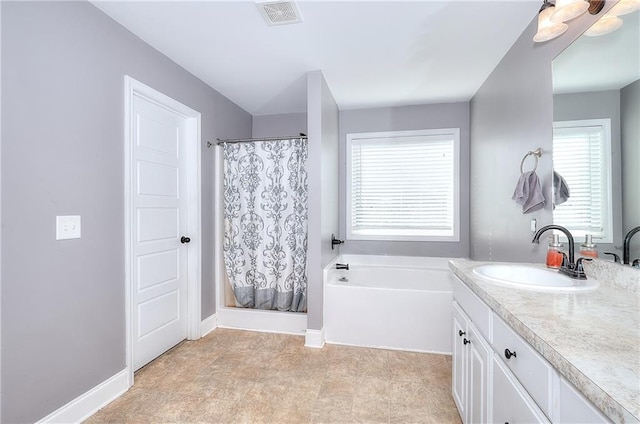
[(159, 221)]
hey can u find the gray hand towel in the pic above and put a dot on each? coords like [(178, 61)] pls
[(528, 193), (560, 189)]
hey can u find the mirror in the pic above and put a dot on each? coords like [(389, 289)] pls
[(597, 80)]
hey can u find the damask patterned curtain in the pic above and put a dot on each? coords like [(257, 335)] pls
[(265, 223)]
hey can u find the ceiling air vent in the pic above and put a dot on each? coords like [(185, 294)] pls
[(280, 12)]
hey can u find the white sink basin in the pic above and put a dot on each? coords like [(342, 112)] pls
[(531, 278)]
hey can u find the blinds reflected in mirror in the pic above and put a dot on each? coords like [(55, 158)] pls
[(581, 155)]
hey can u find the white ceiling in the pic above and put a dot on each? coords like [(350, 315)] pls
[(371, 53)]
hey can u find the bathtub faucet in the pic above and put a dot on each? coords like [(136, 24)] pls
[(342, 266), (335, 242)]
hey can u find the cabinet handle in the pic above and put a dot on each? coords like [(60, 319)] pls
[(461, 333), (466, 341), (508, 354)]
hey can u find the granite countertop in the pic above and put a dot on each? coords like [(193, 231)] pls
[(591, 338)]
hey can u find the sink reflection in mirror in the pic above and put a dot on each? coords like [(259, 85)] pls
[(596, 107)]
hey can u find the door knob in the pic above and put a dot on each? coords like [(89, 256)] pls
[(184, 239)]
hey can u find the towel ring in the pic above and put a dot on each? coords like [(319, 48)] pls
[(536, 154)]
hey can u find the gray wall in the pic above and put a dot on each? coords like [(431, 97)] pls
[(279, 125), (598, 105), (511, 114), (63, 321), (630, 135), (0, 216), (452, 115), (330, 159), (323, 190)]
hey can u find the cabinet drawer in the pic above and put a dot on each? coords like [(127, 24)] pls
[(476, 309), (575, 408), (531, 369), (511, 403)]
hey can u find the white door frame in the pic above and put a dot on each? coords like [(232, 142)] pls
[(218, 231), (135, 88)]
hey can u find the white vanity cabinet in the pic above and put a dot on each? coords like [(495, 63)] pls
[(527, 365), (574, 408), (459, 360), (510, 401), (498, 377), (471, 363)]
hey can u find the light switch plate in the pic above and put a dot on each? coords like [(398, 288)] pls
[(68, 227)]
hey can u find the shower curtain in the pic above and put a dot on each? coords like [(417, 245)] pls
[(265, 223)]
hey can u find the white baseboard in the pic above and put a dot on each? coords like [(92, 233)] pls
[(314, 338), (262, 320), (208, 325), (400, 349), (90, 402)]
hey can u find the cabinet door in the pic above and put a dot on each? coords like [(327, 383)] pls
[(511, 403), (478, 377), (459, 360), (574, 408)]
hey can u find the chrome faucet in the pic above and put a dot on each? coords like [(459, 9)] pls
[(342, 266), (627, 242), (568, 267)]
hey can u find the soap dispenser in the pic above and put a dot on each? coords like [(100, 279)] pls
[(554, 254), (588, 248)]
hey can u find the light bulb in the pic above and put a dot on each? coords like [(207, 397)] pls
[(548, 30), (604, 25), (569, 9), (624, 7)]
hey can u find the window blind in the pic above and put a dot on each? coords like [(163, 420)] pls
[(403, 186), (579, 156)]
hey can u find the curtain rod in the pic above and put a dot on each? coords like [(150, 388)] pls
[(250, 140)]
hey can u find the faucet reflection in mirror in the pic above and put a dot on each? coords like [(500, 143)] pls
[(627, 243), (568, 267)]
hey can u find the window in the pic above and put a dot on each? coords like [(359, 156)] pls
[(403, 185), (582, 156)]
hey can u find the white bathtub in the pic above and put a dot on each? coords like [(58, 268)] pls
[(389, 302)]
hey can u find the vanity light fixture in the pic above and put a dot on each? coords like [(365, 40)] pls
[(569, 9), (548, 30), (552, 16), (608, 23), (624, 7)]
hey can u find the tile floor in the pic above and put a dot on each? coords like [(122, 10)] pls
[(233, 376)]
